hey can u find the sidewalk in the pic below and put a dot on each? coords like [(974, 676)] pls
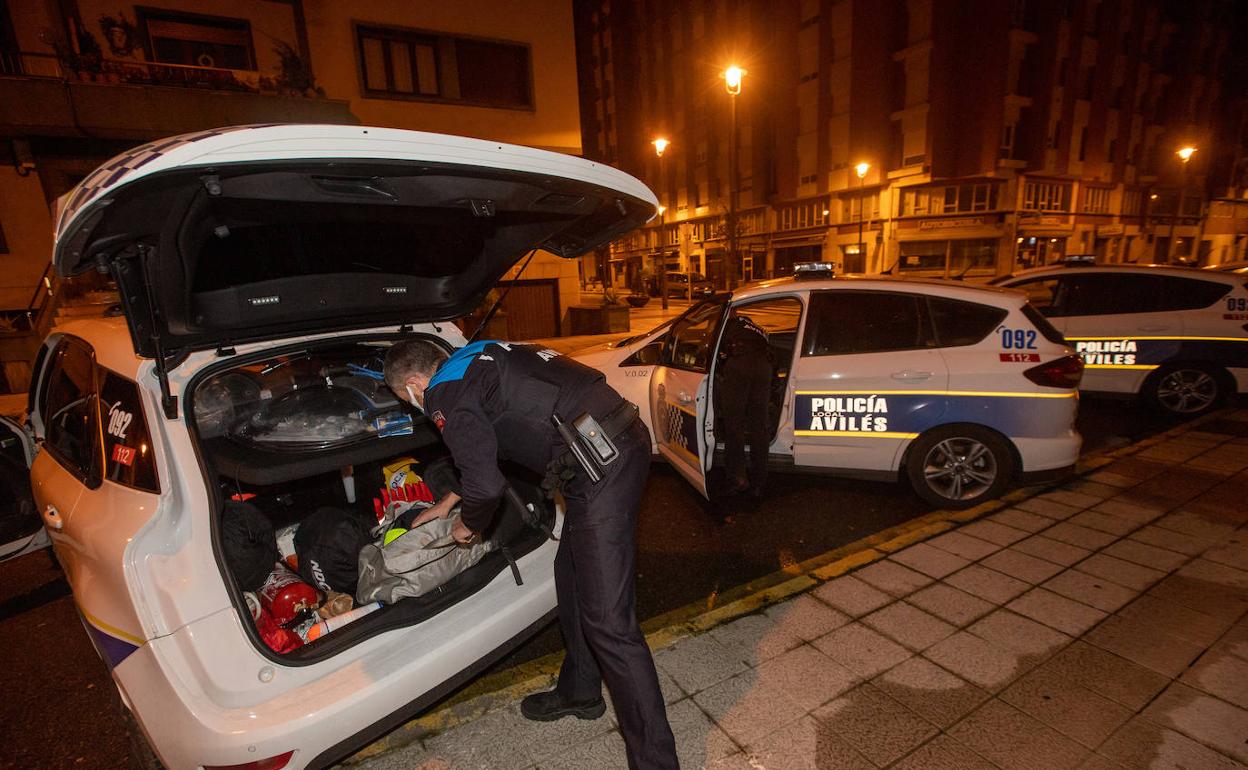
[(1101, 625)]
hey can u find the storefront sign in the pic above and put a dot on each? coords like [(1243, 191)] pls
[(1035, 220), (1108, 230), (947, 224)]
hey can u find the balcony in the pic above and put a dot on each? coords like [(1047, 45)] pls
[(42, 94)]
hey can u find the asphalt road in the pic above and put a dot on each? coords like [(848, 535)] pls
[(60, 709)]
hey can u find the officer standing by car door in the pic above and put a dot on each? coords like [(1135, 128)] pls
[(743, 400), (495, 400)]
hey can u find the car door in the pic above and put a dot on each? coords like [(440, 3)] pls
[(21, 529), (1114, 322), (869, 379), (70, 457), (780, 317), (680, 409)]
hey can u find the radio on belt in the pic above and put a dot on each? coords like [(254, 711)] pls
[(588, 443)]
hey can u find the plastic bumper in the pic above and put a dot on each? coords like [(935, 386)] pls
[(1052, 454)]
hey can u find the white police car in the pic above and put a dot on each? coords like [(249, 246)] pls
[(262, 270), (959, 389), (1176, 336)]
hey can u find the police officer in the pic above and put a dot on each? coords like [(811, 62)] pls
[(744, 389), (493, 401)]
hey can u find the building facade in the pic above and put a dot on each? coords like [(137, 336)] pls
[(82, 80), (993, 135)]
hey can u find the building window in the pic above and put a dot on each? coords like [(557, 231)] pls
[(1083, 143), (1007, 140), (1131, 202), (1096, 200), (852, 205), (948, 200), (4, 245), (408, 64), (800, 215), (1046, 196), (197, 40)]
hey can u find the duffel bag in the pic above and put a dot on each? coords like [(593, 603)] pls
[(414, 563)]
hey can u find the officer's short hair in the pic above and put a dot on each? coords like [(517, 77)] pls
[(409, 357)]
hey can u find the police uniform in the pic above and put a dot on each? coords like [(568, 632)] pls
[(744, 401), (493, 401)]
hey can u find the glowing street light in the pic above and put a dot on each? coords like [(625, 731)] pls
[(861, 170), (732, 75), (660, 145), (1185, 153)]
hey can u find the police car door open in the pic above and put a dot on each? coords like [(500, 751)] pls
[(679, 405)]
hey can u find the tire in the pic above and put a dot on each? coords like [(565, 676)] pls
[(959, 466), (1186, 390)]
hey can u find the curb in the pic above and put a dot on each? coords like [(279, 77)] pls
[(494, 691)]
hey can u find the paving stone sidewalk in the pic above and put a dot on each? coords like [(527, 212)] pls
[(1102, 625)]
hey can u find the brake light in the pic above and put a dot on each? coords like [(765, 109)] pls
[(272, 763), (1064, 372)]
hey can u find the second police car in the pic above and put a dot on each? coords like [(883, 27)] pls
[(961, 390), (1176, 336)]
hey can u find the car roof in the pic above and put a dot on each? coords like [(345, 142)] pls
[(944, 288), (110, 339), (1179, 271)]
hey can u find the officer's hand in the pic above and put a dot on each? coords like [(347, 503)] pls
[(462, 534), (439, 510)]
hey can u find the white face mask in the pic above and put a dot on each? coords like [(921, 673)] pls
[(411, 397)]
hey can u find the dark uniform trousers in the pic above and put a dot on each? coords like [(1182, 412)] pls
[(595, 570), (744, 399)]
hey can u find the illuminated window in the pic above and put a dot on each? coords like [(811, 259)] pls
[(197, 40)]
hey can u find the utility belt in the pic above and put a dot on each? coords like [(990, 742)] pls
[(591, 446)]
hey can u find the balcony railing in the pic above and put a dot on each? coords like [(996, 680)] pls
[(24, 320), (91, 70)]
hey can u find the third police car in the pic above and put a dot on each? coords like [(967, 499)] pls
[(1176, 336), (960, 389)]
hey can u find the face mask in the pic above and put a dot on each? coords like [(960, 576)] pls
[(411, 397)]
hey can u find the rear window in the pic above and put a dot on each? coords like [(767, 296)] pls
[(1046, 329), (865, 322), (128, 455), (962, 323), (1106, 294)]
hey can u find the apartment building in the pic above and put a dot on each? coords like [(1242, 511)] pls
[(82, 80), (937, 138)]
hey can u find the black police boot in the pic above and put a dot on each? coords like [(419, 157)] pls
[(549, 706)]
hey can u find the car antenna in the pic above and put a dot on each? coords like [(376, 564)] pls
[(494, 308)]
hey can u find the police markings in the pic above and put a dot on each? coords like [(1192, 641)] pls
[(1150, 352), (894, 415)]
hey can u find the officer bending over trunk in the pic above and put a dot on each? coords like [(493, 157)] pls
[(495, 401)]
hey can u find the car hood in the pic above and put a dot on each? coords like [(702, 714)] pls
[(261, 232)]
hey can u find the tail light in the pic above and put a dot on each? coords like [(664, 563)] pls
[(1064, 372), (272, 763)]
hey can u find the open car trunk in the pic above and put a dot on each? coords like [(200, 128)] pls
[(294, 429)]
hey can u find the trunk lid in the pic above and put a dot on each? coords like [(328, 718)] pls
[(261, 232)]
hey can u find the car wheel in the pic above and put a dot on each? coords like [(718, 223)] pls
[(958, 466), (1186, 390)]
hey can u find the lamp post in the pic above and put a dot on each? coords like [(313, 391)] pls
[(1185, 154), (732, 75), (861, 170), (660, 145)]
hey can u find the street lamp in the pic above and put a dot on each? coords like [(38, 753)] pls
[(732, 75), (861, 170), (1185, 154), (660, 145)]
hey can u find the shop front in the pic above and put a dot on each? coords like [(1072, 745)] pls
[(1042, 239), (950, 247)]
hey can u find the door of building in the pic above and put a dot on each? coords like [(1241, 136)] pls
[(532, 308)]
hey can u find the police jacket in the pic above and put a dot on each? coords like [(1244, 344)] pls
[(493, 401), (743, 337)]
